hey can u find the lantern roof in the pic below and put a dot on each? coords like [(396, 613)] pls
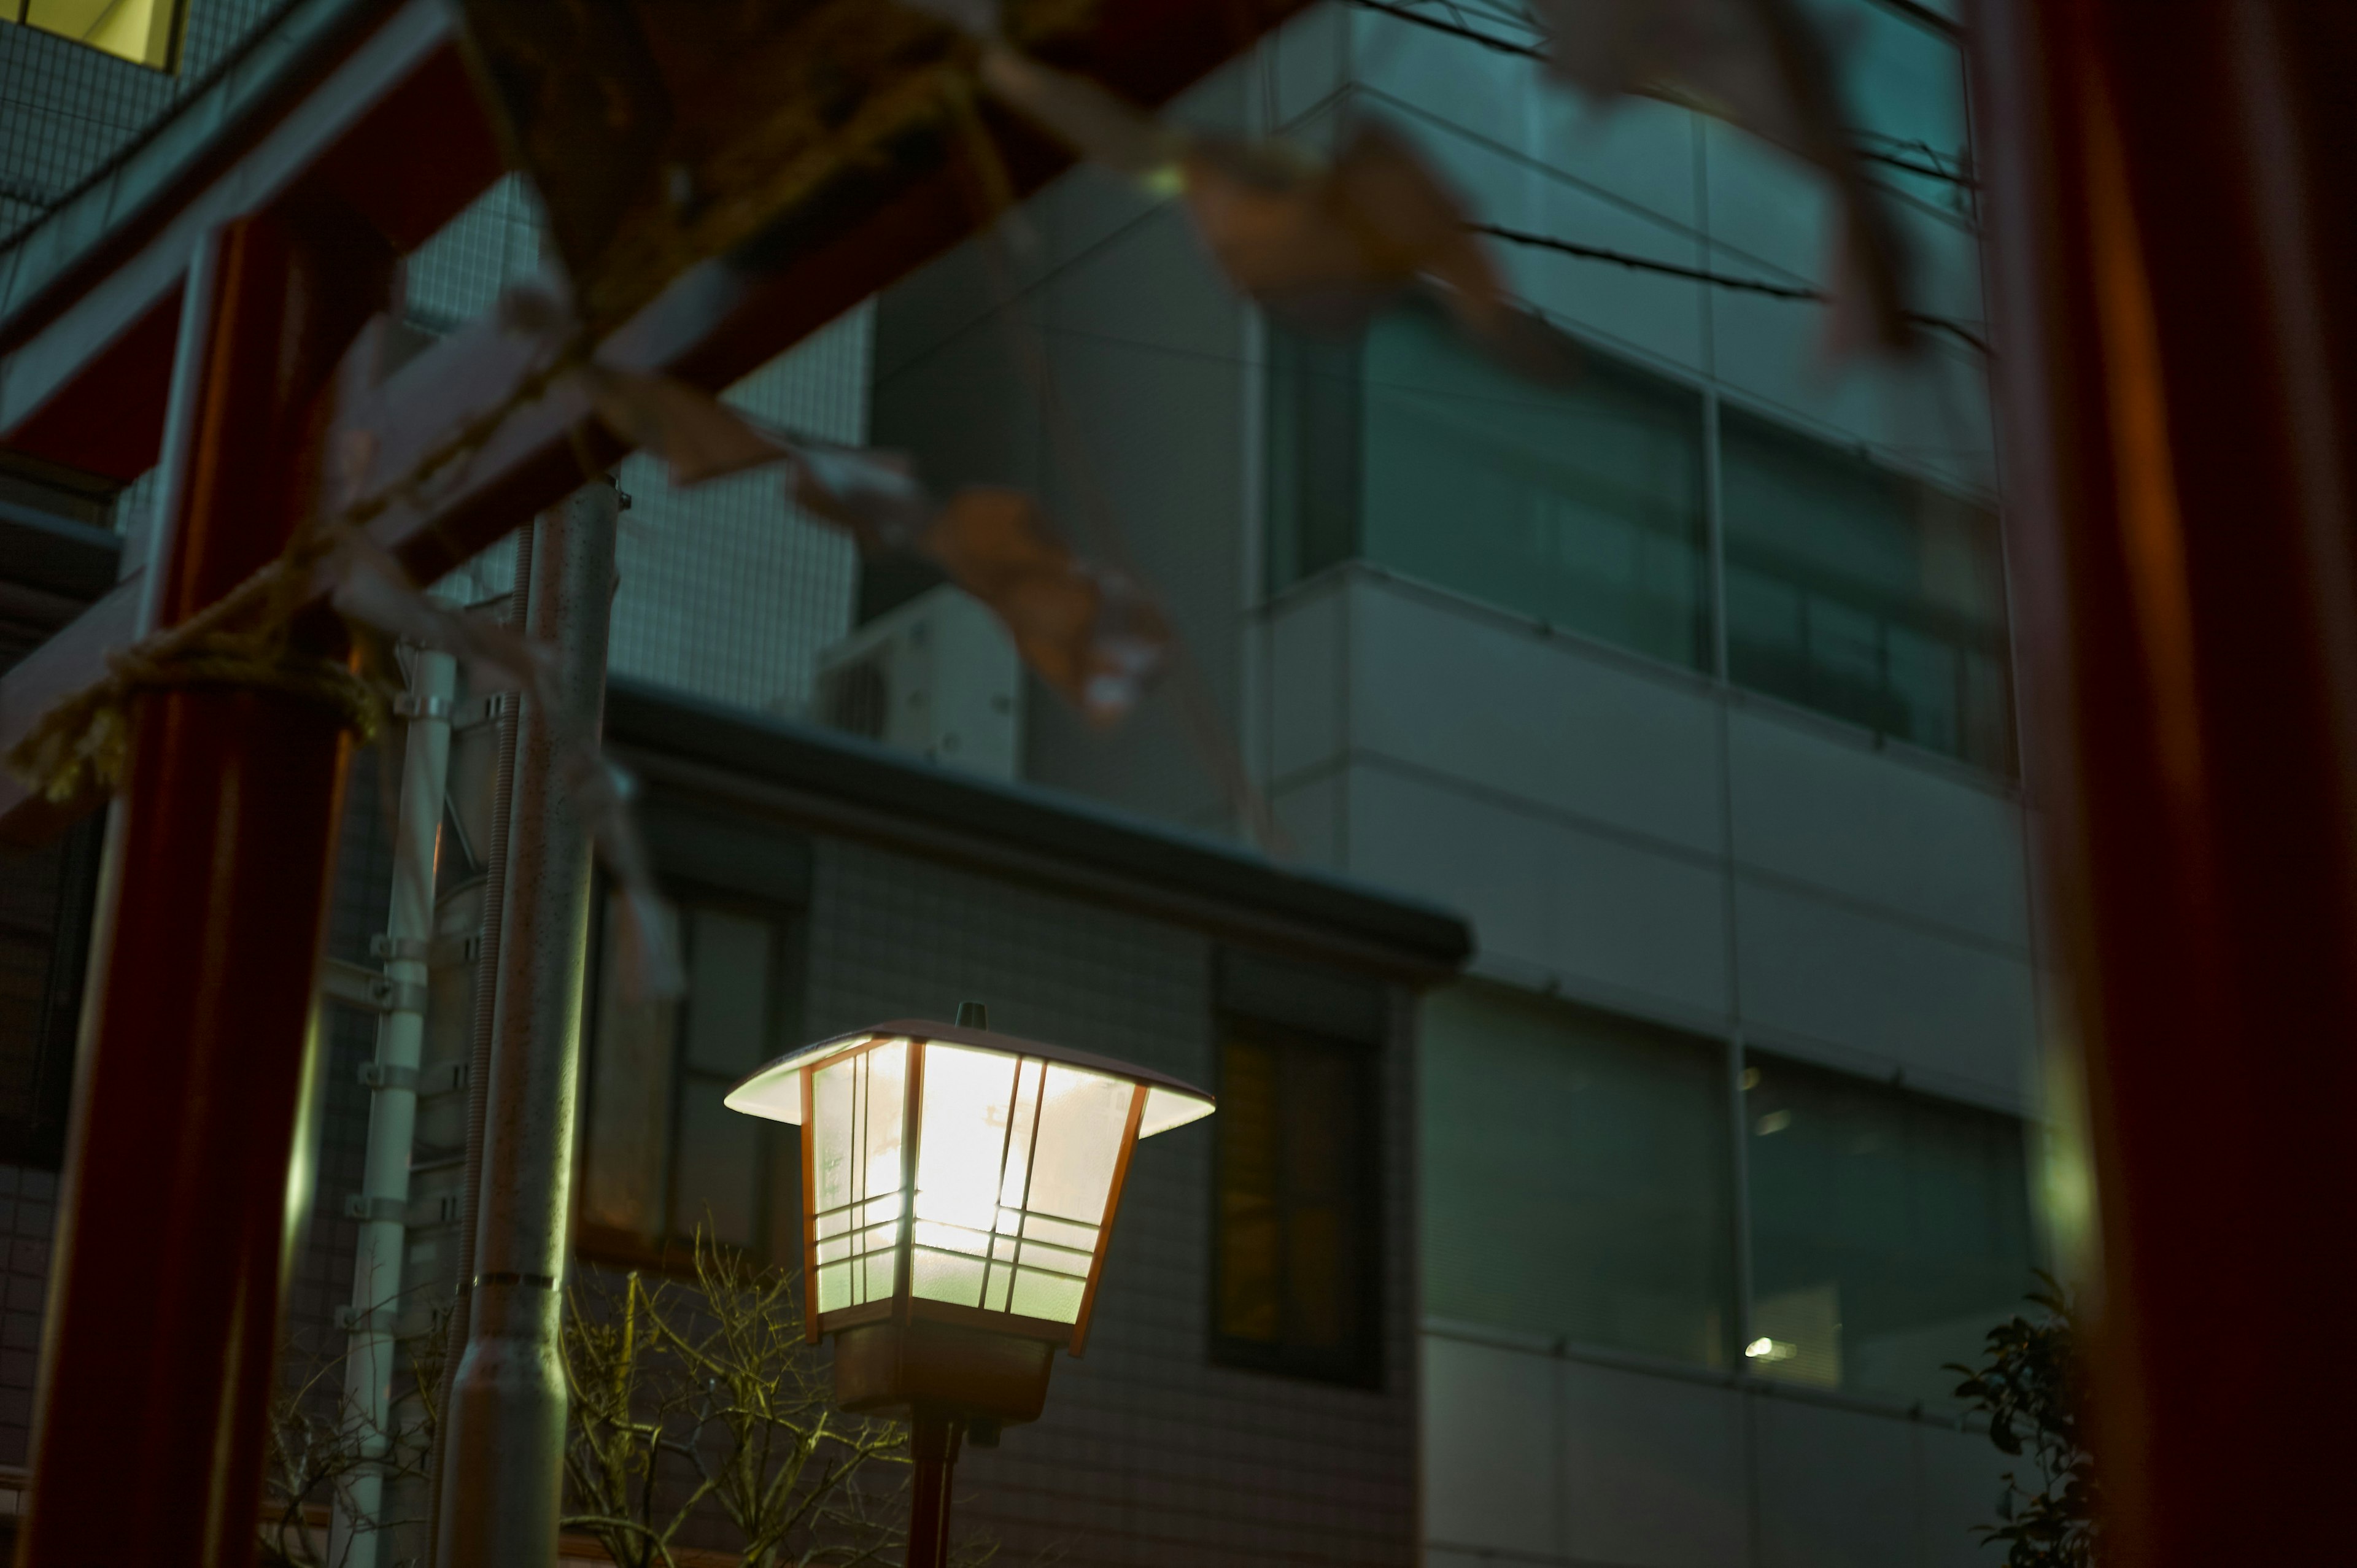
[(774, 1090)]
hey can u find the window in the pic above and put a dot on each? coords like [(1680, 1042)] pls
[(661, 1154), (46, 896), (1863, 595), (1577, 1176), (1294, 1274), (144, 32), (1579, 505), (1891, 1230)]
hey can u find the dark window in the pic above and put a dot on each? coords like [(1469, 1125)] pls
[(1578, 505), (1577, 1176), (1863, 594), (1891, 1230), (46, 896), (661, 1154), (1294, 1286)]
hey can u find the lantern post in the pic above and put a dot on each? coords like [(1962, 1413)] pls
[(959, 1187)]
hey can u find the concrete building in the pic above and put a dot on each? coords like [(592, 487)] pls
[(1688, 682), (824, 882)]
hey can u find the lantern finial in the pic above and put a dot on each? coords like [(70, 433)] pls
[(972, 1015)]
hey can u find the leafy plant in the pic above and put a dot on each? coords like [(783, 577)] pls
[(2029, 1388)]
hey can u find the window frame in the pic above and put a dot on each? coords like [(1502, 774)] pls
[(1361, 1364), (779, 1187), (173, 29)]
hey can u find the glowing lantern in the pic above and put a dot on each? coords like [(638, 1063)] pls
[(958, 1190)]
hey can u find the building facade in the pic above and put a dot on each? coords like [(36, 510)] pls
[(1687, 680), (1250, 1390)]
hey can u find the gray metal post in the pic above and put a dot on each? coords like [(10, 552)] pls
[(382, 1205), (504, 1458)]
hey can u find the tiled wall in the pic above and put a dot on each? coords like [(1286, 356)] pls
[(28, 1219), (66, 109), (1148, 1453)]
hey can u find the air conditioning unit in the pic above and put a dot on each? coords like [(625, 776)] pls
[(937, 676)]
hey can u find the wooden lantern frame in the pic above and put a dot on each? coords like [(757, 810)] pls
[(979, 1364)]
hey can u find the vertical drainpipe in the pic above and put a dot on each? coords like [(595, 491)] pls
[(504, 1453), (381, 1206)]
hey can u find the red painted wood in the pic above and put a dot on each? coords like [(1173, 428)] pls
[(717, 322), (162, 1340), (2172, 193)]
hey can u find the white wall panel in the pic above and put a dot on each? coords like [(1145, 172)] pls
[(1305, 675), (1652, 1470), (1545, 719), (1630, 919), (1638, 150), (1918, 841), (1836, 1488), (1959, 1478), (1947, 1012), (1490, 1444)]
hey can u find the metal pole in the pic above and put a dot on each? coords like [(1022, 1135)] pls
[(483, 1022), (160, 1354), (933, 1441), (381, 1206), (504, 1457), (2173, 229)]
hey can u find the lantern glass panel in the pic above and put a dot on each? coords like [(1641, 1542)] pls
[(1082, 1118), (1002, 1140), (858, 1103)]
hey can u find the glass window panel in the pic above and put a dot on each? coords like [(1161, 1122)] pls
[(1294, 1251), (884, 1073), (1063, 1232), (835, 1288), (1062, 1260), (1082, 1116), (628, 1137), (1891, 1230), (946, 1277), (1315, 411), (1002, 1279), (719, 1171), (1021, 1137), (1579, 505), (878, 1269), (833, 1112), (1577, 1175), (968, 1097), (833, 1251), (728, 991), (949, 1238), (1863, 595), (1056, 1297), (1252, 1241)]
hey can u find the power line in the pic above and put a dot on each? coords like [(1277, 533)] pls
[(1932, 169), (1956, 329)]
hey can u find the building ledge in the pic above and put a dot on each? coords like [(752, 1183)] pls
[(839, 783)]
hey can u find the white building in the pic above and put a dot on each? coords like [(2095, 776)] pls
[(1688, 683)]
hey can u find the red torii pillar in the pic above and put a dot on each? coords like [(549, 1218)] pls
[(2173, 237), (171, 1238)]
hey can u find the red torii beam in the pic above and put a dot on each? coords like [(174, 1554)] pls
[(219, 308)]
